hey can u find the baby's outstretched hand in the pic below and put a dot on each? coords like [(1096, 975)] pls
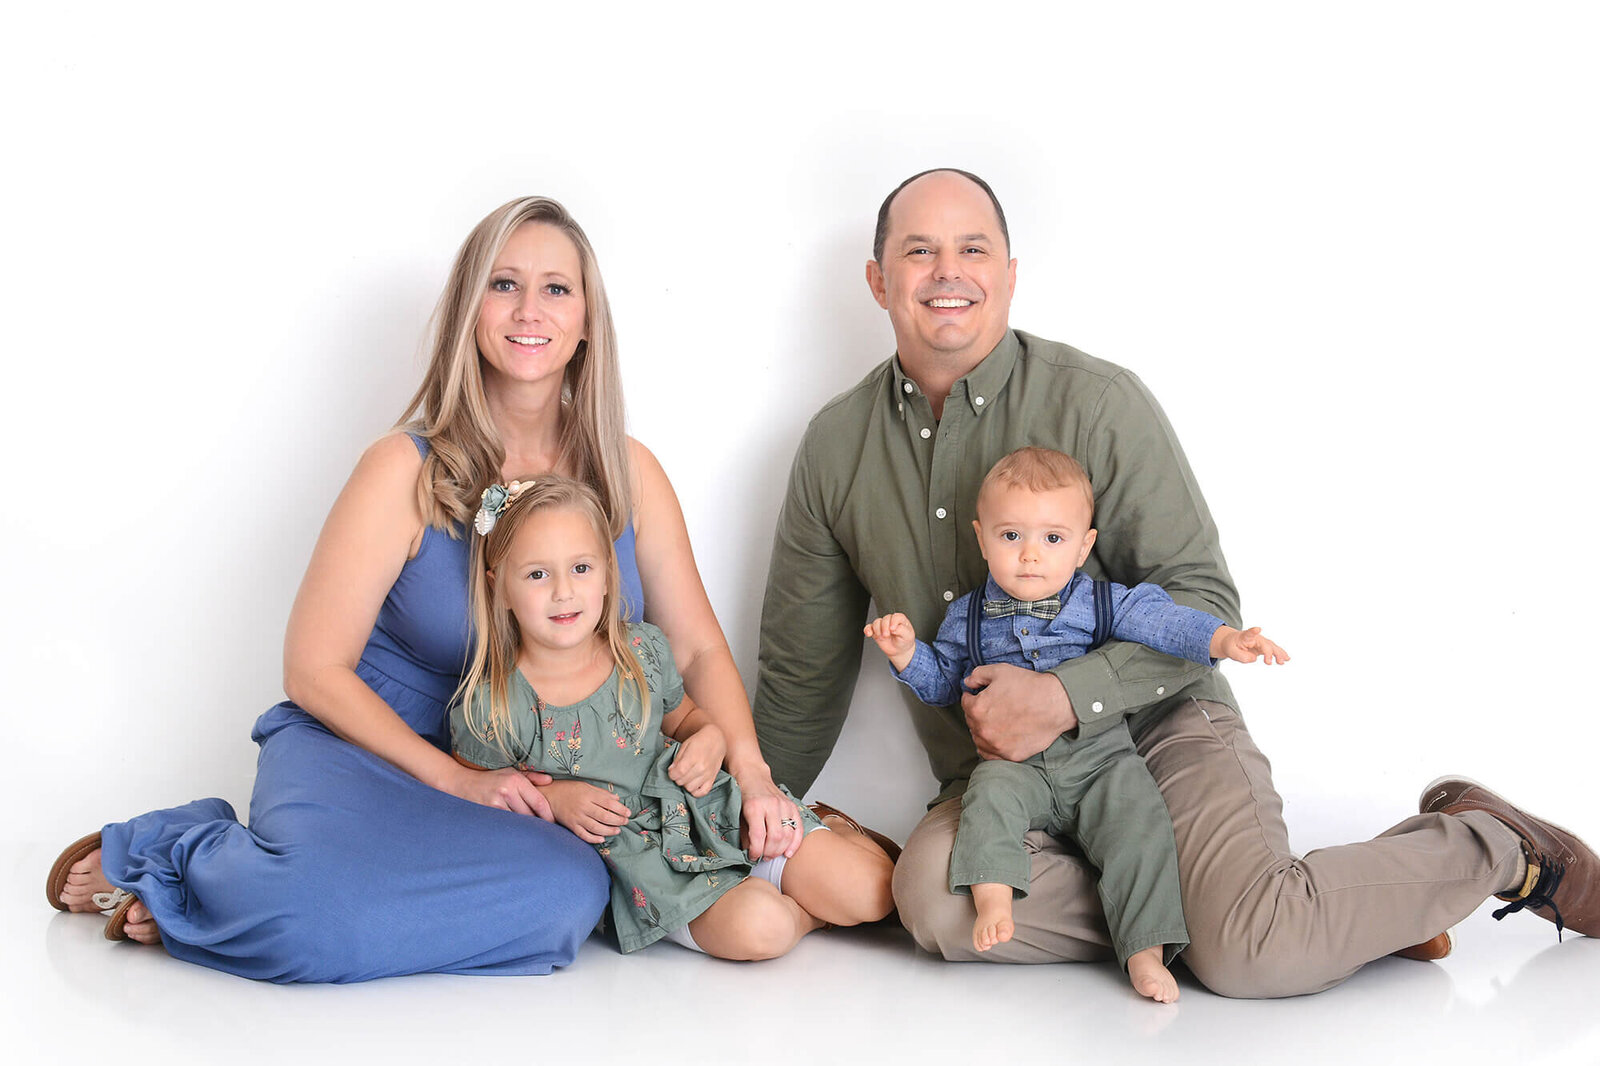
[(1246, 646), (699, 758), (895, 638)]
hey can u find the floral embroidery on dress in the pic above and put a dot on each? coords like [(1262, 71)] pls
[(564, 749), (624, 729), (722, 830), (675, 820), (648, 658), (647, 910)]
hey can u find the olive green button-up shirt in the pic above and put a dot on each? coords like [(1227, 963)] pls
[(880, 505)]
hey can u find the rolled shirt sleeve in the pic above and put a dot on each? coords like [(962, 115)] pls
[(810, 647)]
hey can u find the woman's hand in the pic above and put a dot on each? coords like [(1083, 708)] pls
[(771, 819), (590, 812), (698, 760), (509, 789)]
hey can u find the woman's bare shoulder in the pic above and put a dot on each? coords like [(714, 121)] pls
[(652, 490), (392, 454)]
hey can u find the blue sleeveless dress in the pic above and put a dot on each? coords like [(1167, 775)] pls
[(351, 868)]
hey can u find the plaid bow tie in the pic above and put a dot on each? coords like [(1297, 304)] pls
[(1046, 609)]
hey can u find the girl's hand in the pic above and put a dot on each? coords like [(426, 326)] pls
[(1245, 647), (766, 810), (895, 637), (590, 812), (699, 758), (509, 789)]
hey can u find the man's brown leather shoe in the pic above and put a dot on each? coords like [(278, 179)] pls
[(1563, 882), (1429, 950)]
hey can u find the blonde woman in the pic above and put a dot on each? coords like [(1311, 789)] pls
[(370, 851)]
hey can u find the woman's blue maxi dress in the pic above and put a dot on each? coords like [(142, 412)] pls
[(351, 868)]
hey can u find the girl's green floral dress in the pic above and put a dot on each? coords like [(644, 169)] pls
[(678, 853)]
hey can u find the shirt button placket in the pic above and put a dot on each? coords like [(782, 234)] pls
[(942, 472)]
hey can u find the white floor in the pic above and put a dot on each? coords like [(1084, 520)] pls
[(1509, 994)]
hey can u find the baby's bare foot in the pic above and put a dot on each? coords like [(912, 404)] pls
[(994, 924), (1150, 978), (986, 934)]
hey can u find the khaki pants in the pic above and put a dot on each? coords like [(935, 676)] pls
[(1262, 923)]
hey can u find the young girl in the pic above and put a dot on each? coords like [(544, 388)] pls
[(558, 683)]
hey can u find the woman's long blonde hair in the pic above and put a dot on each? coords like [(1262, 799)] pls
[(497, 638), (450, 411)]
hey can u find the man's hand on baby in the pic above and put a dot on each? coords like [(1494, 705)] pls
[(895, 638), (1015, 712), (590, 812), (699, 758), (1246, 646)]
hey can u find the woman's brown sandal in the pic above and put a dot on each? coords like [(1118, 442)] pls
[(117, 916), (113, 904), (74, 852)]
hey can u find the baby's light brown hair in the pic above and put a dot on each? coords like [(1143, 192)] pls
[(1038, 470)]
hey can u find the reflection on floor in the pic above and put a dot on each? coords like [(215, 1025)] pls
[(1510, 992)]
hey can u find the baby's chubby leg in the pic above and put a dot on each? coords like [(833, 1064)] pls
[(994, 924), (1003, 801), (1124, 829)]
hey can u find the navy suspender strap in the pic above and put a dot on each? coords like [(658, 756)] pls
[(1102, 620), (974, 616), (1102, 613)]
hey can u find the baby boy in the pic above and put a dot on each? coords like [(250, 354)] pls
[(1036, 610)]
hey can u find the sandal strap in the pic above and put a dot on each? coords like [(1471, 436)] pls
[(109, 901)]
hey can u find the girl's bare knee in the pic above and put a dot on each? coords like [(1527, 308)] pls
[(873, 899), (757, 924), (766, 929)]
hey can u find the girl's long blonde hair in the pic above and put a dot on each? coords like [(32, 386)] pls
[(450, 411), (497, 638)]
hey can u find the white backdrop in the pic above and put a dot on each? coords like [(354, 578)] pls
[(1353, 254)]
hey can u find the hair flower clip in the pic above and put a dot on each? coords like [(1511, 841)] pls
[(496, 498)]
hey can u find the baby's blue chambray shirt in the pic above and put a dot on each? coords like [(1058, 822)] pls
[(1143, 614)]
